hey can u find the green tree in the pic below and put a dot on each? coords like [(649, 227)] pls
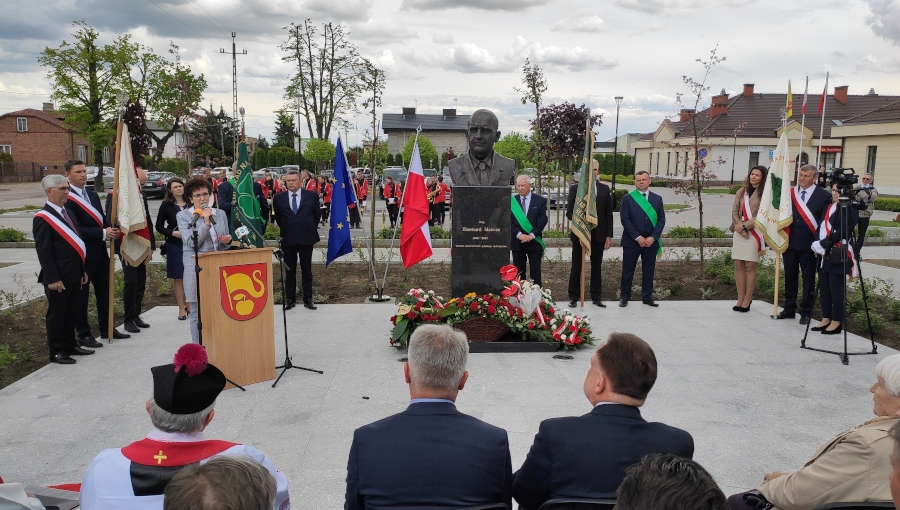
[(85, 78), (284, 129), (515, 146), (280, 155), (318, 151), (260, 159), (382, 157), (330, 73), (262, 143), (426, 151), (216, 130)]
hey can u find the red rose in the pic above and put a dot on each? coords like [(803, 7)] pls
[(492, 309), (577, 340), (474, 306), (508, 272), (508, 292), (573, 328), (411, 315), (530, 325), (584, 330), (551, 310)]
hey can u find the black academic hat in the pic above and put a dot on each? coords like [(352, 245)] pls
[(188, 385)]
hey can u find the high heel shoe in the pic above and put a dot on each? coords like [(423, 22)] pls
[(835, 331), (746, 309), (736, 308), (820, 328)]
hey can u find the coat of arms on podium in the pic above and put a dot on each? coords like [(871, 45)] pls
[(243, 290)]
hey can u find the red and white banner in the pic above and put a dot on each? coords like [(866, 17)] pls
[(805, 213), (415, 240), (745, 209), (131, 218), (65, 231), (88, 207)]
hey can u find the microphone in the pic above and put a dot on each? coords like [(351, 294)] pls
[(242, 233), (198, 212), (212, 218)]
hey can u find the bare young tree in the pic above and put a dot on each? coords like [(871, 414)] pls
[(329, 77), (533, 92)]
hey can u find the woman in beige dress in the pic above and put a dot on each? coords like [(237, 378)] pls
[(747, 241)]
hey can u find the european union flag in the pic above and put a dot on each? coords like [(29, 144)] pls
[(342, 198)]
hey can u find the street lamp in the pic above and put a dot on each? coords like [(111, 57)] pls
[(616, 149), (242, 120)]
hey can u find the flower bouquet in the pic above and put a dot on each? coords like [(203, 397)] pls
[(415, 308)]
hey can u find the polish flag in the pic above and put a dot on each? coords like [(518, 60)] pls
[(415, 240), (822, 99)]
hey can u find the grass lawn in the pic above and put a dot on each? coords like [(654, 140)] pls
[(677, 207), (883, 223), (716, 191)]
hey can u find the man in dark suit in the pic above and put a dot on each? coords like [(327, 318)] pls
[(84, 205), (297, 213), (224, 199), (525, 242), (601, 237), (809, 203), (481, 166), (431, 455), (61, 253), (643, 218), (587, 456)]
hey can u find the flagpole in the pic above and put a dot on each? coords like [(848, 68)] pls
[(802, 125), (588, 167), (822, 125), (399, 211), (113, 219)]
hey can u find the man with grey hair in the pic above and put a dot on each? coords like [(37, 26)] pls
[(866, 194), (853, 467), (182, 406), (528, 218), (481, 166), (61, 253), (430, 455)]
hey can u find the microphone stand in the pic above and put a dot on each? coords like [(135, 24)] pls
[(197, 269), (287, 356)]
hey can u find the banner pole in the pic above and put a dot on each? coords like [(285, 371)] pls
[(777, 274), (113, 219), (583, 264)]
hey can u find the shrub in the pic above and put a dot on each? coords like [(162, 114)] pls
[(5, 157), (734, 189), (862, 322), (894, 309), (685, 232), (175, 165), (875, 232), (554, 234), (12, 235), (658, 183), (721, 267), (272, 232), (887, 204), (620, 178), (618, 198), (437, 233)]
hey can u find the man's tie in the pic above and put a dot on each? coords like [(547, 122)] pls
[(803, 195), (522, 202), (645, 195), (294, 202), (69, 220)]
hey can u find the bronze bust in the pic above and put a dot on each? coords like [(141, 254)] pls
[(481, 166)]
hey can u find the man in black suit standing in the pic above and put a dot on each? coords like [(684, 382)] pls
[(529, 217), (84, 205), (809, 203), (297, 213), (61, 253), (643, 219), (430, 455), (601, 237), (587, 456)]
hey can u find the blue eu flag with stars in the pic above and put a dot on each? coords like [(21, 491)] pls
[(342, 198)]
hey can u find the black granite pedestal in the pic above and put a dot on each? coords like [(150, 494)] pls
[(480, 242)]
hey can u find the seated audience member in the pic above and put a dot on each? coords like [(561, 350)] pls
[(226, 482), (430, 455), (586, 456), (852, 467), (894, 480), (662, 481), (182, 406)]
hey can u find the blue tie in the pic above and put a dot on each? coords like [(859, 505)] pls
[(294, 203), (803, 195)]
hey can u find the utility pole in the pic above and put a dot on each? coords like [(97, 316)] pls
[(234, 108)]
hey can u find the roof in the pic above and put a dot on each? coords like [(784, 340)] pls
[(429, 122), (760, 115), (31, 112)]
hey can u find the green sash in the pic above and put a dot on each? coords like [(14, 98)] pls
[(649, 211), (517, 211)]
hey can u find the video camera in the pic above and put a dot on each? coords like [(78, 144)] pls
[(845, 179)]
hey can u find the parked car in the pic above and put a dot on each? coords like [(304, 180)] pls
[(222, 172), (428, 172), (156, 184), (398, 173), (108, 172)]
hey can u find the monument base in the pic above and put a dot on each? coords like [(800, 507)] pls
[(514, 346)]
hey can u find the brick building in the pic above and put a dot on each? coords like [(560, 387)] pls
[(38, 138), (445, 131)]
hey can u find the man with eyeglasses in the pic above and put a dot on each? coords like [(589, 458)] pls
[(481, 166), (61, 253), (866, 194)]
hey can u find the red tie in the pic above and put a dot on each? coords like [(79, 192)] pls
[(69, 220)]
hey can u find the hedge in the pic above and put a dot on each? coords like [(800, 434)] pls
[(620, 178), (887, 204)]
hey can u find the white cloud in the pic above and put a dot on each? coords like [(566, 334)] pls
[(668, 7), (873, 64), (375, 32), (484, 5), (442, 38), (583, 24), (570, 58), (344, 10), (885, 19)]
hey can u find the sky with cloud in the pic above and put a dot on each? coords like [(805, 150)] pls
[(469, 53)]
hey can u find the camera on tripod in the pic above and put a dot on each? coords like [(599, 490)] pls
[(845, 179)]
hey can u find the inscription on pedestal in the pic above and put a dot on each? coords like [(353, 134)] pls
[(481, 224)]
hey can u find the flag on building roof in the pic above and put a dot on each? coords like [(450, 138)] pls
[(775, 208), (339, 242), (415, 238)]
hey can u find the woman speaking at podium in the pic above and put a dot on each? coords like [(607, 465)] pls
[(212, 235)]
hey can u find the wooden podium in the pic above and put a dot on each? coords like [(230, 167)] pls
[(236, 308)]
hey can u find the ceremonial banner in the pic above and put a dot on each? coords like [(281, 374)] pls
[(584, 216), (130, 215), (248, 212), (339, 243), (790, 103), (415, 239), (775, 210)]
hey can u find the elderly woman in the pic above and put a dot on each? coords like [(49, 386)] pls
[(836, 262), (852, 467), (210, 237), (747, 241)]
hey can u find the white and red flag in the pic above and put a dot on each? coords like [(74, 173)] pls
[(415, 240), (824, 94), (130, 214)]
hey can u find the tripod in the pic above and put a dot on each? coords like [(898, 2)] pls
[(287, 356), (197, 269), (844, 228)]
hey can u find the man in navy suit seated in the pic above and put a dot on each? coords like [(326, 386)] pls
[(430, 455), (643, 219), (529, 217), (587, 456)]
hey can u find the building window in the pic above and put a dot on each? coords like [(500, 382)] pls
[(22, 124), (657, 163), (830, 158), (82, 153), (870, 159), (668, 161), (754, 160), (685, 163), (6, 148), (106, 154)]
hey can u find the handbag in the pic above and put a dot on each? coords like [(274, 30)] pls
[(162, 249), (755, 499), (838, 255)]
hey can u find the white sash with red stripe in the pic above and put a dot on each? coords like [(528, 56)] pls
[(805, 213), (88, 208), (825, 231), (65, 231), (745, 210)]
